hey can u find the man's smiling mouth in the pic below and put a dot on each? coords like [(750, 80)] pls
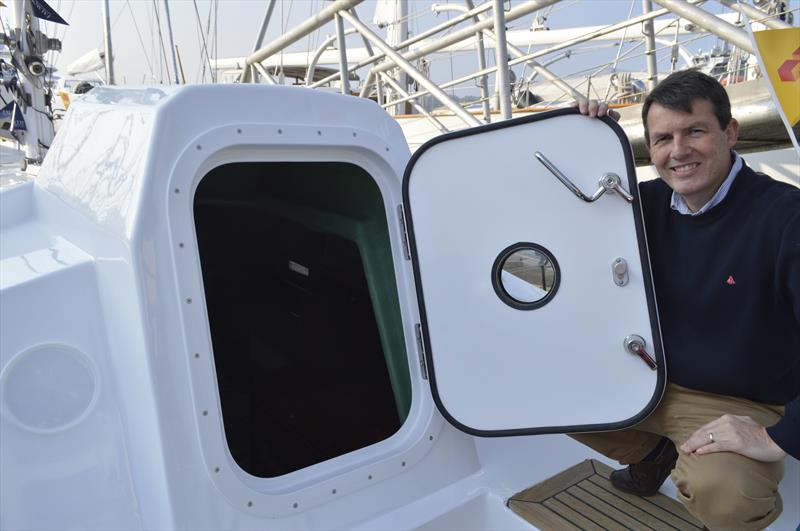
[(685, 168)]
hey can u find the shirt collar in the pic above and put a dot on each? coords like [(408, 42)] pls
[(678, 203)]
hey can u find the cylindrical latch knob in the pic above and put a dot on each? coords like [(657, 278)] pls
[(619, 269)]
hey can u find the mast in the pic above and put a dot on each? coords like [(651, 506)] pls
[(109, 59), (28, 59), (171, 43)]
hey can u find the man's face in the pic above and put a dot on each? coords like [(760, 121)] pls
[(690, 150)]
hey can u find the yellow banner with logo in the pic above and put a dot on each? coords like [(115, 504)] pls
[(780, 54)]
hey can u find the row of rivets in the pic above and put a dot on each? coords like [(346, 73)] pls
[(181, 245)]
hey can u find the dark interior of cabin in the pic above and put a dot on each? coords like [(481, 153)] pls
[(303, 311)]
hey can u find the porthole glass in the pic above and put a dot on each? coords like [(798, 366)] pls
[(525, 276)]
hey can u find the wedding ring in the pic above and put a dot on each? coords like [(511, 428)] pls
[(710, 437)]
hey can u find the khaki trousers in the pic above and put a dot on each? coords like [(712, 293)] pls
[(723, 490)]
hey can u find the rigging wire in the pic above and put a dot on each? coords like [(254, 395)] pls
[(141, 41), (202, 77), (216, 43), (619, 49), (161, 41), (205, 47), (209, 38)]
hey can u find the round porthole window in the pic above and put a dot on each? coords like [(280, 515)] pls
[(525, 276)]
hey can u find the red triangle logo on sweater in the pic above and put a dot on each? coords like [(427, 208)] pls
[(730, 281)]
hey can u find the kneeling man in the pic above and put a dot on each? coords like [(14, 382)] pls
[(724, 245)]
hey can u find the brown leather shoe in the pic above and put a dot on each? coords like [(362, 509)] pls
[(646, 477)]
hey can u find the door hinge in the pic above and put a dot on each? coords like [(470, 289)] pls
[(421, 349), (404, 233)]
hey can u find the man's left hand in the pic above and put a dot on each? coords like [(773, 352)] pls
[(732, 433)]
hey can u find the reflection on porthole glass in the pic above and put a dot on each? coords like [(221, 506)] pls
[(526, 276)]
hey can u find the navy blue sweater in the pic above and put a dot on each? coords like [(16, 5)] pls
[(728, 289)]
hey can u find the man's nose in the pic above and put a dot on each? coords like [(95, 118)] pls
[(680, 147)]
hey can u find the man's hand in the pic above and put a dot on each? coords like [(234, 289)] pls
[(595, 109), (738, 434)]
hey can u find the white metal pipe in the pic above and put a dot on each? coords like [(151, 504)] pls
[(345, 79), (410, 70), (405, 44), (755, 14), (312, 65), (725, 30), (520, 57), (537, 67), (249, 74), (483, 81), (171, 42), (501, 59), (370, 76), (391, 82), (396, 33), (109, 59), (683, 52), (599, 33), (263, 72), (306, 27), (547, 74), (650, 46), (457, 36), (566, 44), (264, 24)]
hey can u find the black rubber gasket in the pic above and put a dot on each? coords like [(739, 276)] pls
[(497, 283)]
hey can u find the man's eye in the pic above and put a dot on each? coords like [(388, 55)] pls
[(697, 132)]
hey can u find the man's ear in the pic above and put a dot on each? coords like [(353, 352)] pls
[(732, 132)]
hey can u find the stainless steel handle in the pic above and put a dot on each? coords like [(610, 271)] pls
[(635, 345), (609, 182)]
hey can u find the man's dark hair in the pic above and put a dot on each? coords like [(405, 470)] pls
[(678, 90)]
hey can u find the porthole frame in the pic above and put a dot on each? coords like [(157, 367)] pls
[(497, 269)]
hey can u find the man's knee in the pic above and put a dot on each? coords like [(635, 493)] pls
[(626, 446), (737, 493)]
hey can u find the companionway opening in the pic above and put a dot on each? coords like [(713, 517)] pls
[(303, 311)]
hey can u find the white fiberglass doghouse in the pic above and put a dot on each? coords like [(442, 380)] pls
[(248, 307)]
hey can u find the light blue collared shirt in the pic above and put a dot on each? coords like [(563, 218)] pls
[(679, 203)]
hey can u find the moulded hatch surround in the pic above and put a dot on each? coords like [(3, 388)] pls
[(311, 486)]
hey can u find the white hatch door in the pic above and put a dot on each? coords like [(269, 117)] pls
[(527, 291)]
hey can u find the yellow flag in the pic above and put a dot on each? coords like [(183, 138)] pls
[(780, 53)]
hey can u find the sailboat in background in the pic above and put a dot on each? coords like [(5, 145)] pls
[(533, 51)]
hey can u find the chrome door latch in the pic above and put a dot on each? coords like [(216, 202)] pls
[(609, 182), (635, 345), (619, 269)]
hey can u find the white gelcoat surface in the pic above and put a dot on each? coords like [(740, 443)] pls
[(111, 283), (57, 471)]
